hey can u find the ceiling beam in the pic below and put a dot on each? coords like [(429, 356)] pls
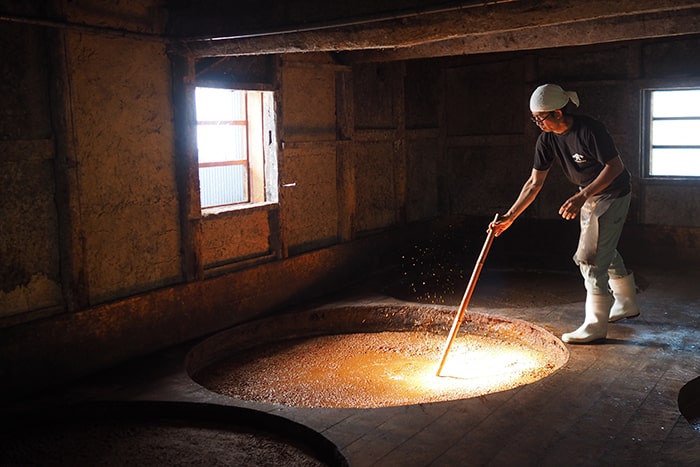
[(599, 31), (516, 25)]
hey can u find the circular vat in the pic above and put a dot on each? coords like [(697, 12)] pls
[(689, 402), (159, 434), (373, 356)]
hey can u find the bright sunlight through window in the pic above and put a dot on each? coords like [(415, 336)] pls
[(237, 162), (674, 133)]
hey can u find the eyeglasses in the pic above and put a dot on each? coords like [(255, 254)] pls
[(540, 120)]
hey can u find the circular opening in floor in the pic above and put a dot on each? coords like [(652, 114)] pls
[(689, 403), (373, 356), (159, 434)]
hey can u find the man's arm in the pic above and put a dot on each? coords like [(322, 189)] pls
[(572, 206), (529, 192)]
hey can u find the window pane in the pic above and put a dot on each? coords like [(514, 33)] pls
[(677, 103), (223, 185), (675, 162), (675, 133), (214, 104), (217, 143)]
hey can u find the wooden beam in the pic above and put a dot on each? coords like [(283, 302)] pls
[(72, 256), (498, 24), (617, 29), (186, 166)]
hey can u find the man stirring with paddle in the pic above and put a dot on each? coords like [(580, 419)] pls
[(586, 153)]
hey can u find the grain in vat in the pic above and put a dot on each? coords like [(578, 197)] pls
[(372, 356)]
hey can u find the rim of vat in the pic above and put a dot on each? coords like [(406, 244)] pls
[(366, 318)]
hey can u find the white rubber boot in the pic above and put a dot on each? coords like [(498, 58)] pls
[(595, 326), (625, 292)]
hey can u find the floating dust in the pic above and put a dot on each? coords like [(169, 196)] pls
[(437, 271), (376, 370), (433, 272)]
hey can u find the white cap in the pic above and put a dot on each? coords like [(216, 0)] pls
[(550, 97)]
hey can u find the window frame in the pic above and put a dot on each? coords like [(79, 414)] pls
[(646, 134), (269, 168)]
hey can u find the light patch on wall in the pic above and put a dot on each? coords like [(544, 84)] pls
[(40, 292)]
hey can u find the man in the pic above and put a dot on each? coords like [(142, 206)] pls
[(589, 159)]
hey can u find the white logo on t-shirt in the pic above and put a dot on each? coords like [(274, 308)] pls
[(578, 158)]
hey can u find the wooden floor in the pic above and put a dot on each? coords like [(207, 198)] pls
[(613, 403)]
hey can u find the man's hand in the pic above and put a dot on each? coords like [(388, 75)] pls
[(572, 206), (500, 225)]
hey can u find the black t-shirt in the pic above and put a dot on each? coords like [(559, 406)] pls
[(582, 153)]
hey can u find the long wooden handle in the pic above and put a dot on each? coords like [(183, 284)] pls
[(468, 294)]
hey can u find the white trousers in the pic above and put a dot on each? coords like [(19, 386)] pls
[(597, 257)]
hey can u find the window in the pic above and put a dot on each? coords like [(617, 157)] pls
[(237, 158), (673, 133)]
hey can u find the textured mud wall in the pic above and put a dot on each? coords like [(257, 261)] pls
[(309, 190), (123, 142), (309, 201), (110, 114), (238, 235), (378, 160), (376, 165), (29, 243)]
